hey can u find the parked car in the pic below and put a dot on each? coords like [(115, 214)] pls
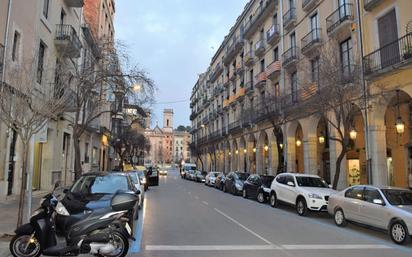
[(210, 178), (190, 174), (385, 208), (220, 181), (234, 182), (187, 167), (257, 187), (199, 176), (304, 192), (95, 190), (134, 175)]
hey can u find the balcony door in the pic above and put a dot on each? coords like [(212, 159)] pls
[(343, 5), (388, 36), (314, 25)]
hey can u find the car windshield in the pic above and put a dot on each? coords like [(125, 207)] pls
[(311, 182), (134, 177), (189, 168), (398, 197), (93, 184), (241, 176)]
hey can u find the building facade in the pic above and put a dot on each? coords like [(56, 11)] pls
[(53, 33), (269, 64), (167, 145)]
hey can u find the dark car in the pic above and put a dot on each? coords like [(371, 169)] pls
[(190, 175), (234, 182), (94, 191), (199, 176), (257, 187), (220, 180)]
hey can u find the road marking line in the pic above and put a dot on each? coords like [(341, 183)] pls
[(337, 247), (197, 197), (244, 227), (209, 247), (205, 203), (260, 247)]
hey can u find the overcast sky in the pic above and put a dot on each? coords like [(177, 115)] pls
[(174, 40)]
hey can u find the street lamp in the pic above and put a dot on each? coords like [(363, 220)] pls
[(203, 125), (254, 149), (266, 148), (244, 150), (400, 126), (353, 133), (137, 88), (281, 146), (298, 143), (237, 152), (321, 139)]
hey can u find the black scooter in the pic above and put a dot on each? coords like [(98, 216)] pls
[(103, 232)]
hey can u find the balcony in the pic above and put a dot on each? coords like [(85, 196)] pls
[(74, 3), (308, 5), (1, 58), (273, 70), (290, 57), (289, 18), (193, 116), (240, 94), (235, 127), (225, 103), (67, 42), (389, 57), (299, 96), (250, 59), (233, 49), (340, 21), (226, 81), (205, 120), (260, 48), (370, 4), (240, 68), (216, 72), (260, 80), (273, 34), (311, 42), (262, 12)]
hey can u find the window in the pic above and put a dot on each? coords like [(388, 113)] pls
[(86, 153), (46, 4), (294, 86), (371, 194), (288, 179), (314, 66), (346, 57), (277, 90), (16, 46), (276, 54), (262, 65), (355, 193), (40, 64), (314, 21), (293, 40), (95, 157), (281, 179)]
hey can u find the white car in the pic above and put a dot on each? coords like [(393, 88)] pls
[(163, 172), (210, 178), (137, 181), (305, 192)]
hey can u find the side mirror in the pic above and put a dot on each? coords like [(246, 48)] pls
[(137, 192), (378, 201), (330, 186), (291, 184)]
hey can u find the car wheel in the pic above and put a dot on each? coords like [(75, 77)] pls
[(260, 197), (399, 232), (301, 207), (244, 193), (339, 218), (273, 200)]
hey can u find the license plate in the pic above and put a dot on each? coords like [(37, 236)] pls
[(129, 230)]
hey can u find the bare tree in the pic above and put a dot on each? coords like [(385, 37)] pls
[(95, 81), (331, 92), (27, 103), (195, 150)]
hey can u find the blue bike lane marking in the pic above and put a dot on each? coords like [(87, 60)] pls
[(138, 228)]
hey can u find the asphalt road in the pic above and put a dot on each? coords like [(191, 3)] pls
[(184, 218)]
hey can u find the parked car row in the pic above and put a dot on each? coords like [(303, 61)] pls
[(385, 208)]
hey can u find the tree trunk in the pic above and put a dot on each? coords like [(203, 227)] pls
[(201, 161), (23, 186), (77, 157), (338, 169)]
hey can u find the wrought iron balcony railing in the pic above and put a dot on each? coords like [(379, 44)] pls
[(312, 39), (339, 16), (67, 41)]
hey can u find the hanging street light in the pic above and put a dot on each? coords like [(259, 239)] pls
[(298, 143), (237, 151), (244, 150), (400, 126), (281, 146), (353, 133), (266, 148), (321, 139), (254, 149)]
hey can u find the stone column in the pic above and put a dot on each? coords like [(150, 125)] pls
[(310, 154), (377, 151), (291, 154), (259, 159)]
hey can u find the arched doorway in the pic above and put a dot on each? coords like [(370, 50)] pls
[(252, 153), (243, 155), (398, 140), (323, 155), (280, 152), (299, 153), (356, 155)]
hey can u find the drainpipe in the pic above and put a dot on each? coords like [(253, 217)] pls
[(364, 92)]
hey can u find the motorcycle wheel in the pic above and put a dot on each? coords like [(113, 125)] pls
[(121, 243), (23, 245)]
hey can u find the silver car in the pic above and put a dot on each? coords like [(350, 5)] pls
[(385, 208)]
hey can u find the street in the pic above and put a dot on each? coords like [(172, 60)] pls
[(183, 218)]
